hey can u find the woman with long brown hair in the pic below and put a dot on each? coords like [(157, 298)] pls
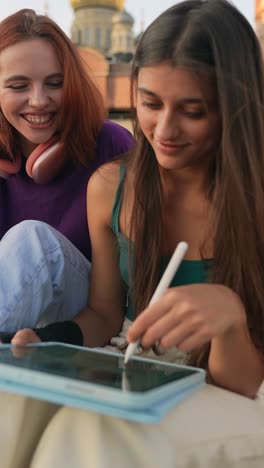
[(52, 138)]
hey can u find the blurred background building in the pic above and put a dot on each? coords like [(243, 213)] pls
[(103, 32), (259, 18)]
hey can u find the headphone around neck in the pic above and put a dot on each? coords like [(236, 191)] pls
[(42, 165)]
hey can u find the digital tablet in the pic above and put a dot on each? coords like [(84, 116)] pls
[(91, 376)]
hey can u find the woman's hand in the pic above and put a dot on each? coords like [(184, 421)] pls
[(188, 317), (25, 336)]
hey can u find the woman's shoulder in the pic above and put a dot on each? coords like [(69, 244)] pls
[(103, 184), (114, 139), (111, 128)]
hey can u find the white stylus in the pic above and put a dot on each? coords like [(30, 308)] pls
[(164, 283)]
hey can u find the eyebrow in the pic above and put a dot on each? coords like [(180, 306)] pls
[(25, 78), (191, 100)]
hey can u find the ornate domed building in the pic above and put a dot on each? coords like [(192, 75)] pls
[(103, 32), (102, 24)]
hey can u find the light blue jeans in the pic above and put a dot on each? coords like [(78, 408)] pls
[(43, 277)]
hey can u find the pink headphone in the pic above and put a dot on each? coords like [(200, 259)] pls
[(42, 165)]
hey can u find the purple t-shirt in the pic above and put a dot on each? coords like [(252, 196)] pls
[(62, 202)]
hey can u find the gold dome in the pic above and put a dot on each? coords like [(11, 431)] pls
[(115, 4)]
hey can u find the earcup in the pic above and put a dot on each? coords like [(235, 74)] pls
[(46, 161), (9, 167), (42, 165)]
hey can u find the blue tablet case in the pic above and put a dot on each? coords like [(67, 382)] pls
[(147, 415), (151, 414)]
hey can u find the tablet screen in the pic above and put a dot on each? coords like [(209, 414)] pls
[(92, 367)]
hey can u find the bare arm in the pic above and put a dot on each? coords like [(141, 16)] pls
[(235, 363), (103, 317)]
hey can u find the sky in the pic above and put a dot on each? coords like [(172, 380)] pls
[(61, 11)]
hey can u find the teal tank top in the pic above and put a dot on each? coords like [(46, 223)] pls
[(189, 272)]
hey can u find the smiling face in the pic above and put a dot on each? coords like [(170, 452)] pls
[(31, 82), (178, 115)]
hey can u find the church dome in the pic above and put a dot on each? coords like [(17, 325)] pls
[(114, 4)]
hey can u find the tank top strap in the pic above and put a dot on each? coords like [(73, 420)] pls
[(118, 202)]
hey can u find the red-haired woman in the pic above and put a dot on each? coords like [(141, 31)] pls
[(52, 138)]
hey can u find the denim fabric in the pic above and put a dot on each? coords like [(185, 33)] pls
[(43, 277)]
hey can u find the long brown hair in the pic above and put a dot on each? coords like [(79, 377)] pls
[(82, 111), (211, 36)]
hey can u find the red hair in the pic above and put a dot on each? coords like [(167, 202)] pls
[(82, 111)]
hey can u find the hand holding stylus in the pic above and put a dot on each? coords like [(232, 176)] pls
[(188, 317), (164, 283)]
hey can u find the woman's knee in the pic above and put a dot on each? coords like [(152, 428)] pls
[(26, 228), (31, 235)]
